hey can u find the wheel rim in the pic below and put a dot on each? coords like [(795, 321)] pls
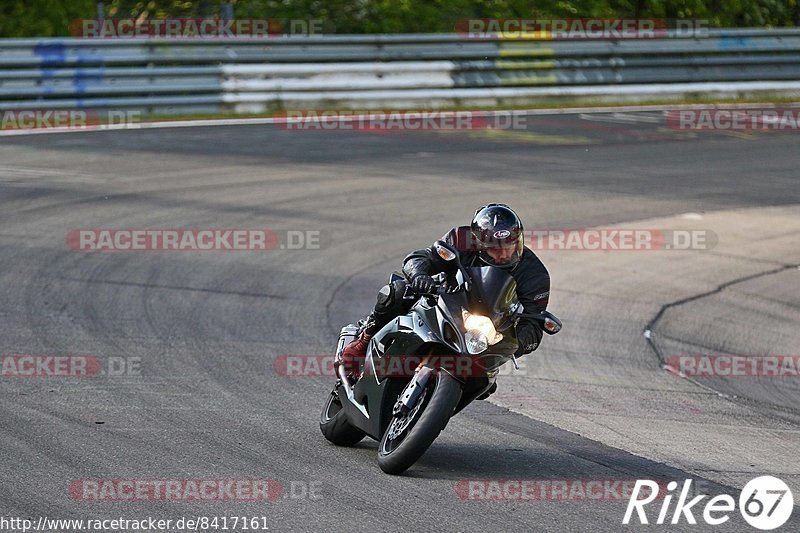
[(400, 427)]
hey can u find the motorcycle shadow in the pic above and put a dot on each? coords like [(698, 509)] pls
[(456, 461), (487, 441)]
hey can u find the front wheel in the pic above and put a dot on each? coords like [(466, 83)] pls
[(334, 424), (410, 435)]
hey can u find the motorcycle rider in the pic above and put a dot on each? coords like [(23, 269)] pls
[(495, 237)]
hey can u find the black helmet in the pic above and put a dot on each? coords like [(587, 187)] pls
[(497, 227)]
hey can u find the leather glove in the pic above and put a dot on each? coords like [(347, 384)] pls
[(528, 337), (423, 283)]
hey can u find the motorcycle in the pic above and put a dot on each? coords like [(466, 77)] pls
[(456, 338)]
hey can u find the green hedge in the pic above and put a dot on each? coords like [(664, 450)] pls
[(51, 18)]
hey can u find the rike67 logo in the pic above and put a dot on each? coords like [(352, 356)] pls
[(765, 503)]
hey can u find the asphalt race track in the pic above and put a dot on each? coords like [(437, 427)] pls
[(205, 398)]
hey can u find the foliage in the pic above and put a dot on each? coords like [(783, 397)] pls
[(50, 18)]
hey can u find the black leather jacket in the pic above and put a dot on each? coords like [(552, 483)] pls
[(530, 274)]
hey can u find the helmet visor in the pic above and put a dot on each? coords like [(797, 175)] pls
[(499, 239)]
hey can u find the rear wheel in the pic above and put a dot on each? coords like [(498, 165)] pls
[(334, 424), (410, 435)]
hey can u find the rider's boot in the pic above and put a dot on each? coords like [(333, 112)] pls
[(355, 352)]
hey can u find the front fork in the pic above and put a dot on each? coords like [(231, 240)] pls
[(408, 398), (412, 391)]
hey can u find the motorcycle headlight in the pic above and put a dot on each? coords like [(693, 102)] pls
[(476, 342), (480, 333)]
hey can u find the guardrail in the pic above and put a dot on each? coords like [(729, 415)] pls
[(178, 76)]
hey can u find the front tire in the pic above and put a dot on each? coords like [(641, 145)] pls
[(408, 438), (334, 424)]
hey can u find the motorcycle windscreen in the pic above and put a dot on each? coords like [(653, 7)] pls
[(493, 294)]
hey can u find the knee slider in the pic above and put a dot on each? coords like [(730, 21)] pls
[(390, 297), (384, 297)]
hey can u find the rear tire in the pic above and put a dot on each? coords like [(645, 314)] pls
[(334, 424), (438, 403)]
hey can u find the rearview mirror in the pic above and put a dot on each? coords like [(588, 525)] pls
[(448, 252), (552, 324), (445, 251)]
